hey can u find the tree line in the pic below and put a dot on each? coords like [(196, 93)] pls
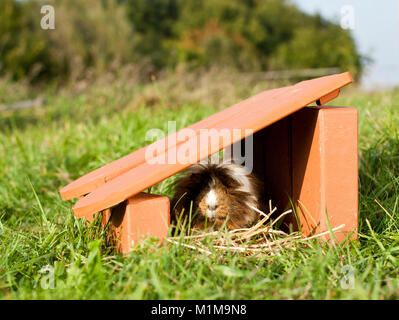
[(94, 36)]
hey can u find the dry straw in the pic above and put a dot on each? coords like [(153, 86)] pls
[(262, 239)]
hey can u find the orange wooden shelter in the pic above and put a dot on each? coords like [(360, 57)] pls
[(304, 154)]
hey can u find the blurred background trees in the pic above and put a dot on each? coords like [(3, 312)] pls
[(94, 36)]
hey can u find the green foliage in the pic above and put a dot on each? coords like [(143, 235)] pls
[(318, 45), (250, 35), (23, 51), (97, 36), (91, 37)]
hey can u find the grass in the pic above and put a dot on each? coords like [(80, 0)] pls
[(43, 149)]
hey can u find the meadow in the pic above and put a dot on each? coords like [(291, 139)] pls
[(80, 129)]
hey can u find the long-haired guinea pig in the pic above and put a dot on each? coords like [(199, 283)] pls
[(217, 194)]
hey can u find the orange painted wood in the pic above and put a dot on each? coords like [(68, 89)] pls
[(310, 159), (310, 91), (272, 162), (325, 169), (255, 113), (141, 216), (327, 98), (100, 176), (276, 162)]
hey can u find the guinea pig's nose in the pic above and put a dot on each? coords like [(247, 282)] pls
[(212, 207)]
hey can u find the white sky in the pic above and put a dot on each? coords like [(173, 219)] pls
[(376, 32)]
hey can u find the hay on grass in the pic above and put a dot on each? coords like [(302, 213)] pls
[(262, 239)]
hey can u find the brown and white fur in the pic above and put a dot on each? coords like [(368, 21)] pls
[(218, 194)]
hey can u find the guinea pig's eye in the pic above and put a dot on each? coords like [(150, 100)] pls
[(212, 207)]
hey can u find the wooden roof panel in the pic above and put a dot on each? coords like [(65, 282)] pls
[(132, 174)]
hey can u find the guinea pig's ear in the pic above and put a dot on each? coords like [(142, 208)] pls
[(224, 175)]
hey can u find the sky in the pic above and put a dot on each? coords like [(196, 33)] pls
[(375, 27)]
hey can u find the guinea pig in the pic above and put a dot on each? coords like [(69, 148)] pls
[(217, 194)]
